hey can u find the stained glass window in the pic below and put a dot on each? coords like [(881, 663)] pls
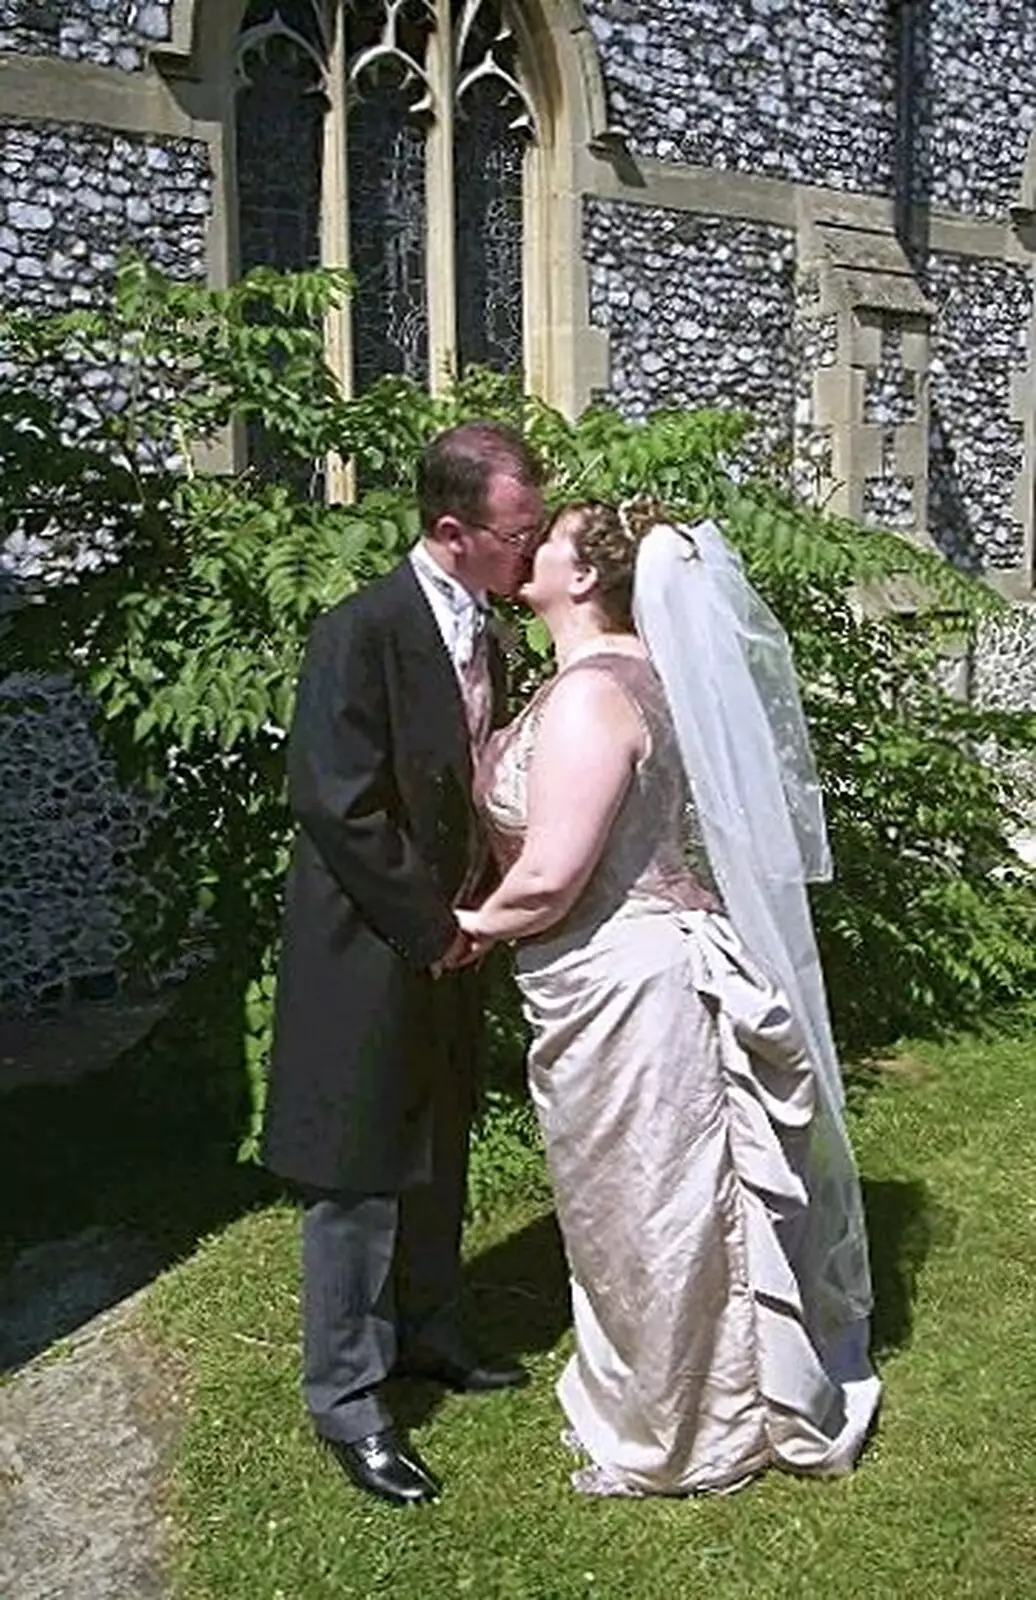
[(387, 240), (488, 167), (296, 70), (490, 137), (280, 117), (280, 123)]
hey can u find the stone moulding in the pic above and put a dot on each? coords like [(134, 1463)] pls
[(866, 282), (863, 266), (198, 25)]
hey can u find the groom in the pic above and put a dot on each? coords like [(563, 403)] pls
[(378, 1032)]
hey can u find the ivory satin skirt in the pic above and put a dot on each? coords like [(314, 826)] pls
[(675, 1099)]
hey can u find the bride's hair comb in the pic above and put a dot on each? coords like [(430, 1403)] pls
[(624, 512), (637, 517)]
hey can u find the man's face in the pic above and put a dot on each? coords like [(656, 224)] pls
[(493, 553)]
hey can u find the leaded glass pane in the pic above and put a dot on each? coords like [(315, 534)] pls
[(387, 209), (387, 239), (488, 163), (280, 115), (280, 119)]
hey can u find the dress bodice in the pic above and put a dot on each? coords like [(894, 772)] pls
[(655, 848)]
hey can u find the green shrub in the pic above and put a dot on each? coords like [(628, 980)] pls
[(190, 642)]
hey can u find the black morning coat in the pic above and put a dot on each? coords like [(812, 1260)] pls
[(379, 780)]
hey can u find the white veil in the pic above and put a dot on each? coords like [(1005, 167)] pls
[(728, 675)]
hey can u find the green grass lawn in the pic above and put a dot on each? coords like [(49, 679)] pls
[(943, 1504)]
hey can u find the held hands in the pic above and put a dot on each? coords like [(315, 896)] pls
[(466, 949), (457, 956), (471, 928)]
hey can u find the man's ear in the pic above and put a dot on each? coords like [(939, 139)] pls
[(449, 531)]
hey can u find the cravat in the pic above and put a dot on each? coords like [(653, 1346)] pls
[(476, 685), (469, 648)]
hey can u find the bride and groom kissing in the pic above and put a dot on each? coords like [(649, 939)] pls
[(642, 834)]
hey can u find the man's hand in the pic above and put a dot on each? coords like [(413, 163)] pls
[(460, 954)]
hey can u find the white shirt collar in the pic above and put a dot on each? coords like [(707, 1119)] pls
[(428, 567), (459, 614)]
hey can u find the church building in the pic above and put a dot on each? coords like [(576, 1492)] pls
[(821, 211)]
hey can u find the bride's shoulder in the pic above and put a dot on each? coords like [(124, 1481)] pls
[(587, 698)]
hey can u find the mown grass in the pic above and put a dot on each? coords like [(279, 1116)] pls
[(944, 1503)]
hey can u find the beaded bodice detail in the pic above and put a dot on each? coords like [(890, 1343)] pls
[(655, 848)]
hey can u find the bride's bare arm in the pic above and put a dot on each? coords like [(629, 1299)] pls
[(587, 744)]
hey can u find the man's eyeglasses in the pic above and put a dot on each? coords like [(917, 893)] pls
[(518, 539)]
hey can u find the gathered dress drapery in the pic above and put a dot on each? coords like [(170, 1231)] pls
[(675, 1094)]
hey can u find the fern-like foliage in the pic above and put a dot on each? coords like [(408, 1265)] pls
[(189, 625)]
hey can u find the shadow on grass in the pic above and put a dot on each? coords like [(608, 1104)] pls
[(106, 1181), (904, 1225), (516, 1305)]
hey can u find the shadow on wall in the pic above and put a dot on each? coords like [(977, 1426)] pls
[(949, 520), (909, 44)]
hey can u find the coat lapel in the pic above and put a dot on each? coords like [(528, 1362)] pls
[(421, 642)]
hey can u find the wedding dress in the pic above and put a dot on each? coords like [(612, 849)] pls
[(675, 1095)]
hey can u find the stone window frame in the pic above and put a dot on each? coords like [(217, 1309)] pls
[(565, 357)]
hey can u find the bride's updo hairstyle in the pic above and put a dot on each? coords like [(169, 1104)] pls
[(607, 538)]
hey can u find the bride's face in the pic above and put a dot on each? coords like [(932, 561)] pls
[(556, 571)]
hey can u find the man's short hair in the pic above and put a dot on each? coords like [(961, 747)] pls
[(455, 469)]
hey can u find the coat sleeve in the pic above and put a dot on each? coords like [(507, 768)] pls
[(343, 796)]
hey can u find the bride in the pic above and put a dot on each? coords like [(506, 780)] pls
[(655, 814)]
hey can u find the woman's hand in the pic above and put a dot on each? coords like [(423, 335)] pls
[(481, 941)]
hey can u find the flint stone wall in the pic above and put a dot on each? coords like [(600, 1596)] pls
[(70, 198), (108, 33)]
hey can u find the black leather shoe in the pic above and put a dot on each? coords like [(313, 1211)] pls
[(383, 1466), (473, 1379)]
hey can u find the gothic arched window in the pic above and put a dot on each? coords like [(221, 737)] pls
[(392, 137), (280, 118)]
